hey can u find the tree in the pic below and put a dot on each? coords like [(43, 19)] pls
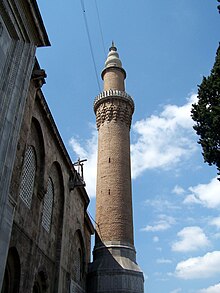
[(206, 114), (218, 6)]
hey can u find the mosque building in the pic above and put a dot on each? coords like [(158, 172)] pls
[(45, 229)]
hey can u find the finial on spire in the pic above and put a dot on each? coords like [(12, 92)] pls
[(113, 48)]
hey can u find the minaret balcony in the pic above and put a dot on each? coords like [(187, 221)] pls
[(105, 95)]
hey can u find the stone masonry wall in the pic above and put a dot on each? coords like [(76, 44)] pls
[(52, 252)]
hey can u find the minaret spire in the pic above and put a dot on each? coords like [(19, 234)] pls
[(114, 268), (113, 48), (113, 73)]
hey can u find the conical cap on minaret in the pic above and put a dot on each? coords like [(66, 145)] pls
[(113, 61), (113, 58)]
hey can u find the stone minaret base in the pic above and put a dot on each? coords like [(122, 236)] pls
[(114, 269)]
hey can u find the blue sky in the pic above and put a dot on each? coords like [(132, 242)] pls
[(166, 47)]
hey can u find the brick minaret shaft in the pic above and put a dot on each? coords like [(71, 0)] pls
[(114, 109), (114, 268)]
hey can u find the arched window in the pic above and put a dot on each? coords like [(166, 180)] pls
[(78, 250), (48, 206), (79, 265), (12, 272), (28, 176)]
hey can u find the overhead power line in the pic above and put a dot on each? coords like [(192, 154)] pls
[(100, 27), (90, 43)]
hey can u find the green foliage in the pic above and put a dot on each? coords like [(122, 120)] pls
[(206, 114), (218, 6)]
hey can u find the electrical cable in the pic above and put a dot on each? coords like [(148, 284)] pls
[(97, 225), (92, 218), (100, 27), (90, 43)]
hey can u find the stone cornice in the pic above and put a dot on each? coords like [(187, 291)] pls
[(24, 22), (88, 223), (113, 68), (115, 94), (42, 36)]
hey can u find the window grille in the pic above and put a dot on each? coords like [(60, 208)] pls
[(48, 206), (78, 265), (28, 176)]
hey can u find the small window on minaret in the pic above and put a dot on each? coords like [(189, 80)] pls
[(109, 160)]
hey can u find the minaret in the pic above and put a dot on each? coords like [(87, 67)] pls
[(114, 267)]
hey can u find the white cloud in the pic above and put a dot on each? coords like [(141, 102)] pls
[(207, 195), (163, 140), (191, 199), (191, 239), (163, 223), (155, 239), (199, 267), (215, 222), (89, 152), (161, 204), (178, 190), (211, 289), (163, 261)]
